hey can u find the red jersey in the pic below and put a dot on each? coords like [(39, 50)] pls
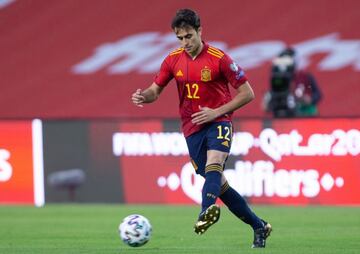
[(202, 81)]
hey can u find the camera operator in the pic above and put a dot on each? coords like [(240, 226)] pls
[(292, 92)]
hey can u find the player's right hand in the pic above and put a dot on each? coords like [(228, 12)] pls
[(137, 98)]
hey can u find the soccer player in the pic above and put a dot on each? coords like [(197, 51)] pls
[(202, 75)]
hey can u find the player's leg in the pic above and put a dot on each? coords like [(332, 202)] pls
[(239, 207), (213, 173), (210, 212), (218, 136), (196, 144), (198, 153)]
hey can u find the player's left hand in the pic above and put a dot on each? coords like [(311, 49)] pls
[(205, 115)]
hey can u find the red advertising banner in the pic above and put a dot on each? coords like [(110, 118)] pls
[(299, 162), (90, 68), (21, 170)]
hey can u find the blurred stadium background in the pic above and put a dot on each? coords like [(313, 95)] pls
[(69, 132)]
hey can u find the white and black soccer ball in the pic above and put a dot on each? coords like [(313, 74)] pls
[(135, 230)]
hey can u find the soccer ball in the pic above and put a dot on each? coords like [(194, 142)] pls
[(135, 230)]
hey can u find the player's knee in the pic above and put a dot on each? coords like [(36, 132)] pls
[(216, 157), (215, 160)]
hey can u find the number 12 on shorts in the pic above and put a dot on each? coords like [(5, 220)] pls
[(224, 132)]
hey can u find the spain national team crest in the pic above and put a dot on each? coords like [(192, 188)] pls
[(205, 74)]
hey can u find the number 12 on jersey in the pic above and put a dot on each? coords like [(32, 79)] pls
[(192, 91)]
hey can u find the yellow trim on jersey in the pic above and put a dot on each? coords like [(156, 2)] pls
[(216, 51), (213, 54), (176, 51)]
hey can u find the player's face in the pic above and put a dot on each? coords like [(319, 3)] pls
[(190, 39)]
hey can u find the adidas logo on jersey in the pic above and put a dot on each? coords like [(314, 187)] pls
[(179, 73)]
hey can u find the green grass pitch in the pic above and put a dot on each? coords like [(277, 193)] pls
[(93, 229)]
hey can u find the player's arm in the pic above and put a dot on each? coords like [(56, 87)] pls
[(148, 95), (244, 95), (151, 93)]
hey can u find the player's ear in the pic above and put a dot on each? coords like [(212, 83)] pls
[(199, 31)]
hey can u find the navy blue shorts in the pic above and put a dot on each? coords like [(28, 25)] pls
[(215, 136)]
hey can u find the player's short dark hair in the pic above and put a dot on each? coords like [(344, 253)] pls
[(186, 18)]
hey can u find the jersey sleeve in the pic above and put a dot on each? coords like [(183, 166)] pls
[(164, 75), (232, 72)]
